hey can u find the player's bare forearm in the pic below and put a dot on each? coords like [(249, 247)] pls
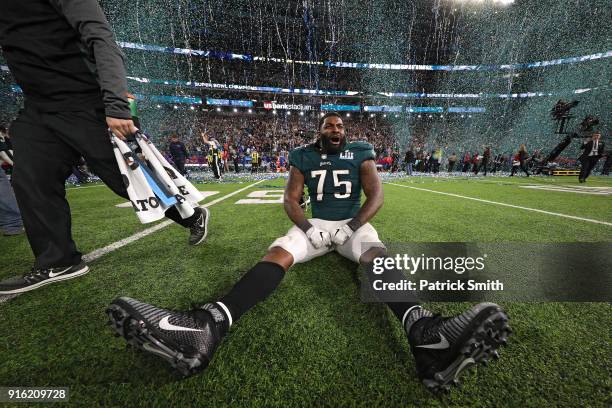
[(291, 200), (372, 188)]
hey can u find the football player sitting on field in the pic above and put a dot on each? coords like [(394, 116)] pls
[(335, 171)]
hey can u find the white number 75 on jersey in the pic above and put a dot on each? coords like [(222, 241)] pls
[(337, 183)]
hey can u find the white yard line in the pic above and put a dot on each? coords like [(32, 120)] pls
[(79, 188), (578, 190), (95, 254), (572, 217)]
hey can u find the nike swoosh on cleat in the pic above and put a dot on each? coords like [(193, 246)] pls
[(443, 344), (203, 219), (53, 275), (164, 324)]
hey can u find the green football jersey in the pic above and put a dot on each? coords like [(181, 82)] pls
[(333, 180)]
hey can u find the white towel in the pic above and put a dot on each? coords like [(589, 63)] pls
[(147, 206)]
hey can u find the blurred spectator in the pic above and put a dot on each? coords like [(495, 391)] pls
[(466, 162), (486, 157), (409, 160), (475, 162), (519, 161), (10, 218), (179, 154), (452, 159)]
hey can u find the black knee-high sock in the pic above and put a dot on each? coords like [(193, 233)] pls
[(256, 285), (399, 309)]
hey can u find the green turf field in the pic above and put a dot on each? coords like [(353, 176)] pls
[(313, 342)]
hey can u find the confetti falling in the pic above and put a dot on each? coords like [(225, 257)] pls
[(433, 32)]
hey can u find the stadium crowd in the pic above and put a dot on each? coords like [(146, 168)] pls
[(243, 139)]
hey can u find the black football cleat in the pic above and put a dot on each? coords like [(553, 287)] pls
[(444, 347), (199, 229), (187, 340)]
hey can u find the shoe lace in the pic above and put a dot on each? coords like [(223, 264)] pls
[(33, 273), (195, 307), (432, 329)]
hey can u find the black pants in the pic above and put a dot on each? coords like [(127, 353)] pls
[(588, 163), (180, 165), (483, 165), (46, 147), (215, 167)]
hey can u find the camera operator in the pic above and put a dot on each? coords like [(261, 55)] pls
[(592, 151)]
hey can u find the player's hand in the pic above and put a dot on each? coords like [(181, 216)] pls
[(341, 235), (122, 128), (318, 238)]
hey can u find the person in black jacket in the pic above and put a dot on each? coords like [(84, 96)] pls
[(178, 151), (64, 57), (592, 152), (409, 160)]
